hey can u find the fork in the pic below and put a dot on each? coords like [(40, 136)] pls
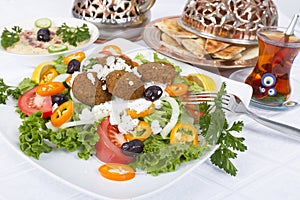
[(234, 104)]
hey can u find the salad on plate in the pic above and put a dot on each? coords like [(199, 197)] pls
[(126, 110)]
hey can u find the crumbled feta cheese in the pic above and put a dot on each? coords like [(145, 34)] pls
[(139, 105), (102, 110), (156, 128), (91, 77)]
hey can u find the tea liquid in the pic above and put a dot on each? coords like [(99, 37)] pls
[(270, 77)]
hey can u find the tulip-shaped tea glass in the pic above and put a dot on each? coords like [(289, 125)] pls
[(270, 78)]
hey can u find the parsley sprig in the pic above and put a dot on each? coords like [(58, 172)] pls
[(214, 126), (8, 38), (73, 35)]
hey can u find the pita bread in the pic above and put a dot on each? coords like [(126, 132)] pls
[(172, 28), (173, 45), (195, 46), (250, 53), (213, 46), (231, 52)]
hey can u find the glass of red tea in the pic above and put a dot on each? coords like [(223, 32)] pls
[(270, 78)]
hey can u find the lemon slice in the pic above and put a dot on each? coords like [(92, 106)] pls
[(40, 70), (203, 81)]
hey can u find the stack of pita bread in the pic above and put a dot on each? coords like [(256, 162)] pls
[(177, 39)]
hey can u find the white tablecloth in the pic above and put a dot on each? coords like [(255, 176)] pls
[(270, 169)]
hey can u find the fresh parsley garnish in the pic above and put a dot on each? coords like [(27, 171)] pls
[(73, 35), (8, 38), (214, 126)]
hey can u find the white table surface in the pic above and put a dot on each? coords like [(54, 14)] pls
[(269, 169)]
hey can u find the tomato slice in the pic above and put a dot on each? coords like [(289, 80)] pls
[(78, 56), (184, 132), (193, 111), (62, 114), (30, 102), (141, 132), (177, 89), (50, 88), (117, 172), (106, 150), (134, 114)]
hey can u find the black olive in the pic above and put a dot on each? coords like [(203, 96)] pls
[(58, 99), (133, 147), (43, 35), (153, 93), (73, 66)]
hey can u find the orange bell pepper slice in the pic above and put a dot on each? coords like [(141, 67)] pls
[(62, 114), (50, 88), (116, 171)]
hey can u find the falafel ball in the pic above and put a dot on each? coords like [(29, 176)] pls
[(88, 89), (158, 72), (127, 86)]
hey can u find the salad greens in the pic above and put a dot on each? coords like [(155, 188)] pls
[(35, 137), (15, 92), (8, 38), (158, 155), (161, 157)]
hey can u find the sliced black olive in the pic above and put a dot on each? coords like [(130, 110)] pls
[(43, 35), (153, 93), (133, 147), (58, 99), (73, 66)]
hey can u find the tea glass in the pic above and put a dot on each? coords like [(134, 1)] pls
[(270, 78)]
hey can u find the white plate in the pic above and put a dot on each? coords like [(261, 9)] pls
[(56, 22), (83, 175)]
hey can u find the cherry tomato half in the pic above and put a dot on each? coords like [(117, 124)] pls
[(50, 88), (62, 114), (78, 56), (184, 132), (30, 102), (117, 172), (177, 89), (141, 132)]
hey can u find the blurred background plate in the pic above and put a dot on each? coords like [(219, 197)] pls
[(152, 37)]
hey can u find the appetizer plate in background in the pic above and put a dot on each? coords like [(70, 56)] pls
[(152, 37), (83, 175), (56, 22)]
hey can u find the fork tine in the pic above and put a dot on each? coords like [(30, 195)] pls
[(196, 98)]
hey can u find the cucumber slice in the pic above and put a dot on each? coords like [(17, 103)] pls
[(43, 23), (57, 48)]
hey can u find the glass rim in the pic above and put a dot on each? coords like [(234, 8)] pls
[(275, 43)]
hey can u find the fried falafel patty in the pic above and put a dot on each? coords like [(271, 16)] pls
[(88, 89), (125, 85), (112, 78), (158, 72)]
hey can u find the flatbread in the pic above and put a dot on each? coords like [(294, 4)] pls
[(172, 28), (231, 52), (250, 53), (213, 46), (173, 45), (195, 46)]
